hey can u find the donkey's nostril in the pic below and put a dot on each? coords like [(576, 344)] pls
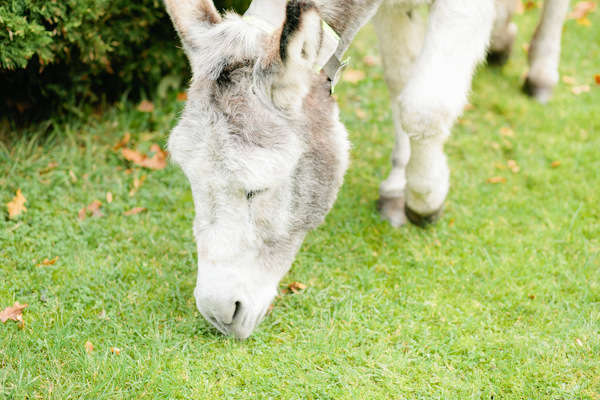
[(228, 312), (238, 308)]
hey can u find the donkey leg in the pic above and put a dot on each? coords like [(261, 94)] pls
[(544, 52), (456, 40), (400, 33), (503, 33)]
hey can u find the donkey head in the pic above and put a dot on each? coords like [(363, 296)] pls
[(262, 146)]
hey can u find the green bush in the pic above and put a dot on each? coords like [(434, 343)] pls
[(238, 5), (56, 54)]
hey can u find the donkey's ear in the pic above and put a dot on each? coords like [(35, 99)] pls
[(287, 65), (191, 17)]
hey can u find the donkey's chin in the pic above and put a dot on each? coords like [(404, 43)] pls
[(232, 303)]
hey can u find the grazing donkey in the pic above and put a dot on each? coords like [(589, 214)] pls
[(260, 138), (544, 51)]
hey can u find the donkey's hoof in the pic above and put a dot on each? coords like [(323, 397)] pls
[(498, 58), (541, 93), (392, 210), (423, 221)]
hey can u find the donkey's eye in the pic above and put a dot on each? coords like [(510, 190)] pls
[(251, 193)]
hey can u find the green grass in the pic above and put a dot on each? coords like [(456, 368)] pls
[(500, 300)]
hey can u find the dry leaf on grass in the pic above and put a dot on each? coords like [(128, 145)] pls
[(584, 21), (353, 75), (295, 287), (360, 113), (93, 209), (146, 106), (506, 131), (17, 206), (370, 60), (115, 350), (89, 347), (512, 164), (569, 80), (182, 96), (157, 161), (48, 262), (530, 5), (555, 164), (109, 197), (581, 10), (13, 313), (496, 179), (577, 90), (135, 210), (123, 142), (597, 79), (137, 183)]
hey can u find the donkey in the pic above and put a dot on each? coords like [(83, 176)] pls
[(260, 138), (544, 51)]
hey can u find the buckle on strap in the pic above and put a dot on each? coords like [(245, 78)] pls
[(267, 15)]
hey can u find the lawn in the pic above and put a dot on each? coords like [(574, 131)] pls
[(500, 300)]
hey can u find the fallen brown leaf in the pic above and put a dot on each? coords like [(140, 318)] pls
[(109, 197), (531, 296), (597, 79), (48, 262), (93, 209), (496, 179), (17, 206), (89, 347), (13, 313), (584, 21), (555, 164), (94, 206), (115, 350), (506, 131), (577, 90), (137, 183), (146, 106), (135, 210), (582, 9), (469, 107), (512, 164), (73, 177), (123, 142), (530, 5), (157, 161), (295, 287), (370, 60), (569, 80), (353, 76), (182, 96)]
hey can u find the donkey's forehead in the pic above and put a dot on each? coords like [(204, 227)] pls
[(227, 43)]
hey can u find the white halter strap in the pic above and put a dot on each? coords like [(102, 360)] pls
[(269, 14)]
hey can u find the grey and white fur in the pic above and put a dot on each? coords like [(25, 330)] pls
[(262, 145)]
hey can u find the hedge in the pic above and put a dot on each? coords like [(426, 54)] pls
[(59, 52)]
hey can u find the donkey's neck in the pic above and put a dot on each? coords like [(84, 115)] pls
[(346, 17)]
